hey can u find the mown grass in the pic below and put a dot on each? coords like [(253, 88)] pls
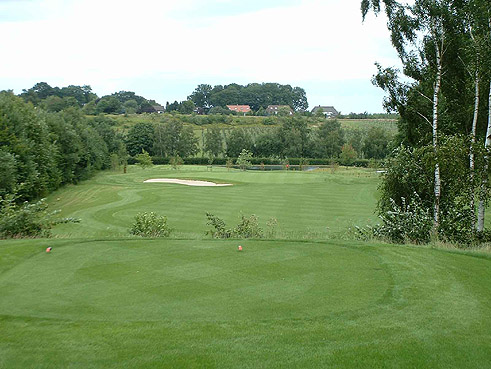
[(313, 205), (202, 304), (104, 299)]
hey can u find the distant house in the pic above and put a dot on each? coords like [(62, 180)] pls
[(273, 109), (328, 111), (199, 111), (159, 109), (240, 108)]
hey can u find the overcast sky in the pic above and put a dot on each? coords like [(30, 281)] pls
[(163, 49)]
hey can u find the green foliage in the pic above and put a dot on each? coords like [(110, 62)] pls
[(271, 225), (294, 137), (41, 151), (144, 159), (329, 138), (140, 137), (408, 222), (218, 227), (348, 155), (248, 227), (410, 171), (244, 159), (172, 138), (176, 162), (238, 140), (254, 94), (27, 219), (213, 142), (150, 225)]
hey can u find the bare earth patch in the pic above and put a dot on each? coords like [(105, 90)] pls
[(187, 182)]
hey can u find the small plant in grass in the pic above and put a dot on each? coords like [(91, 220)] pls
[(150, 225), (248, 227), (176, 162), (303, 163), (229, 164), (244, 159), (218, 228), (334, 165), (272, 223), (28, 219), (144, 160)]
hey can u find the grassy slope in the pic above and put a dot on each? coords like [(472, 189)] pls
[(318, 204), (184, 304)]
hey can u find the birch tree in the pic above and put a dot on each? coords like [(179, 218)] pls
[(487, 142), (415, 27)]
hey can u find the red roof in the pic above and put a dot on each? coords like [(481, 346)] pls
[(240, 108)]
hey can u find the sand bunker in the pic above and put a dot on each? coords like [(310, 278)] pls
[(187, 182)]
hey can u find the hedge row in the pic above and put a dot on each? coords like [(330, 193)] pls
[(363, 163)]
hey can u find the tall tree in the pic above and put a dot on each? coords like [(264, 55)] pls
[(419, 33)]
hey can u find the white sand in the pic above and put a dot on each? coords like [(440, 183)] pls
[(186, 182)]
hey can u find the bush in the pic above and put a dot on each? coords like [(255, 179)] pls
[(218, 229), (403, 223), (28, 219), (150, 225), (248, 227), (407, 222)]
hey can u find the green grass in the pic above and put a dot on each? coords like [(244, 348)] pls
[(388, 124), (104, 299), (203, 304), (312, 205)]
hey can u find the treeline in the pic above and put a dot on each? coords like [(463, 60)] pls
[(55, 99), (293, 138), (41, 150), (366, 115), (257, 95)]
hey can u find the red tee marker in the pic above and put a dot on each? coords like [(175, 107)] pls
[(48, 249), (240, 248)]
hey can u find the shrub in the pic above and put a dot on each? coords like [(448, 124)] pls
[(218, 229), (244, 159), (150, 225), (248, 227), (144, 159), (176, 162), (28, 219), (403, 223)]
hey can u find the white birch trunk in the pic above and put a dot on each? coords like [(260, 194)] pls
[(482, 203), (436, 93), (482, 194), (473, 141)]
